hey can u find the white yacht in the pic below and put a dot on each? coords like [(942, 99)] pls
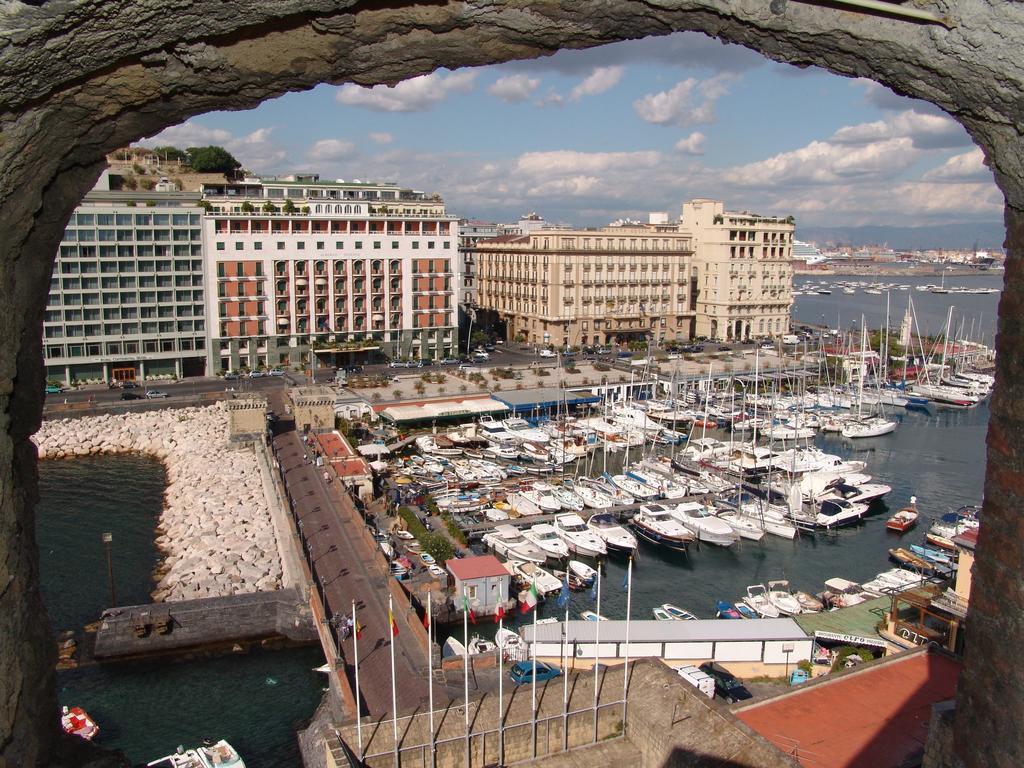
[(757, 600), (746, 526), (698, 519), (855, 493), (219, 755), (616, 538), (580, 539), (592, 497), (531, 573), (834, 513), (521, 430), (509, 542), (541, 495), (567, 498), (779, 595), (873, 427), (546, 537), (634, 488), (492, 429), (654, 523), (616, 494)]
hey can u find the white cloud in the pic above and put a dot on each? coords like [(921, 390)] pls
[(692, 144), (566, 162), (926, 131), (598, 81), (551, 98), (822, 162), (380, 137), (256, 151), (968, 167), (331, 150), (417, 94), (514, 88), (689, 102), (573, 186)]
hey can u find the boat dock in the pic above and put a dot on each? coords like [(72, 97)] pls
[(213, 623)]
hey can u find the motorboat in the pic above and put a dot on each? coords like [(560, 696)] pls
[(580, 539), (217, 755), (663, 486), (778, 594), (531, 573), (567, 498), (592, 497), (634, 488), (894, 580), (616, 494), (726, 610), (707, 528), (746, 611), (904, 519), (834, 513), (744, 525), (937, 556), (677, 613), (757, 600), (507, 640), (855, 494), (617, 540), (495, 515), (521, 430), (808, 602), (452, 647), (76, 721), (542, 494), (591, 616), (842, 593), (509, 542), (493, 429), (524, 505), (654, 523), (581, 573), (660, 614), (544, 536)]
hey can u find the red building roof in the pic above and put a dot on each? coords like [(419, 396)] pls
[(478, 567), (874, 717)]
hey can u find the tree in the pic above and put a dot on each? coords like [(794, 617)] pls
[(479, 338), (212, 160), (396, 394), (171, 154), (248, 207), (289, 207), (269, 207)]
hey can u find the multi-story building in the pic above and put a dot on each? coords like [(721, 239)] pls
[(126, 296), (589, 286), (745, 275), (340, 270)]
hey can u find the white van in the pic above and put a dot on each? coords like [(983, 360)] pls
[(790, 338), (700, 680)]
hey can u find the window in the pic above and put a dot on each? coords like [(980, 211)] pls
[(376, 245), (430, 245), (359, 245), (300, 245), (220, 245), (339, 244), (280, 245), (320, 245), (394, 245), (238, 246), (415, 245), (257, 246)]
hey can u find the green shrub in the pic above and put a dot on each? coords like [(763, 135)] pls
[(599, 366), (438, 547), (543, 372), (454, 530), (848, 650)]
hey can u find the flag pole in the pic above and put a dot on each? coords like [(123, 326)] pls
[(533, 676), (565, 680), (394, 689), (625, 668), (430, 675), (465, 668), (355, 651), (597, 645), (501, 690)]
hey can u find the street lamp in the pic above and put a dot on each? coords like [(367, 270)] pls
[(787, 648), (108, 541)]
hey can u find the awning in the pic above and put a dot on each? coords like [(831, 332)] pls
[(373, 449), (871, 642), (443, 409)]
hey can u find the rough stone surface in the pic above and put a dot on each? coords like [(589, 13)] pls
[(81, 77)]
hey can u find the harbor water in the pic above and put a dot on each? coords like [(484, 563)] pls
[(146, 709)]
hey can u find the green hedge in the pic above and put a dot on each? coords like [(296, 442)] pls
[(434, 544)]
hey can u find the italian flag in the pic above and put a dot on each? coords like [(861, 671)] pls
[(500, 613), (531, 599), (391, 621), (467, 609)]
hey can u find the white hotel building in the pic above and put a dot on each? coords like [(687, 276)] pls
[(343, 269)]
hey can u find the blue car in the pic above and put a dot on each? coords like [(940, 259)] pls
[(522, 672)]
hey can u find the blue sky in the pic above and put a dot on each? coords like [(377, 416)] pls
[(586, 137)]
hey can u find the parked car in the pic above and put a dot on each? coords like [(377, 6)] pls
[(727, 686), (131, 396), (257, 374), (398, 364), (230, 375), (277, 372), (481, 357), (545, 353), (466, 367), (489, 347), (449, 361), (426, 362), (54, 389), (522, 672), (768, 346), (154, 394)]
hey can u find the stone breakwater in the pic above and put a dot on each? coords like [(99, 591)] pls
[(215, 531)]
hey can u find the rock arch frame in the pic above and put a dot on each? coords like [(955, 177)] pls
[(83, 77)]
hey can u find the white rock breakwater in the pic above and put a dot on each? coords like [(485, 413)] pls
[(215, 530)]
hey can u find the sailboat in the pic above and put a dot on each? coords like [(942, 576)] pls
[(865, 427)]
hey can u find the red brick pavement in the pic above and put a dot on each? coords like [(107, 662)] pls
[(345, 562)]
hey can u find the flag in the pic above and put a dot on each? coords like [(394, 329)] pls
[(563, 596), (625, 580), (391, 621), (593, 584), (359, 631), (530, 600), (467, 609), (426, 621), (500, 613)]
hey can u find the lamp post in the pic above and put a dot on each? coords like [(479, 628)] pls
[(108, 541), (787, 648)]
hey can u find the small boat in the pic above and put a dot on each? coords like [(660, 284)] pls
[(403, 535), (726, 610), (591, 616), (746, 611), (507, 640), (905, 519), (582, 573), (908, 559), (218, 755), (478, 645), (937, 556), (508, 542), (808, 602), (677, 613), (660, 614), (75, 721), (580, 540), (452, 647), (757, 600), (779, 595), (427, 559)]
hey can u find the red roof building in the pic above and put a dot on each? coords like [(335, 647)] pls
[(484, 582), (875, 716)]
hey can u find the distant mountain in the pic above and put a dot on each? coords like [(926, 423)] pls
[(987, 235)]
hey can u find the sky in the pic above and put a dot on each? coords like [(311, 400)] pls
[(588, 137)]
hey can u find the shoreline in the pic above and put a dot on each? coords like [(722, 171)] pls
[(879, 271), (215, 534)]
